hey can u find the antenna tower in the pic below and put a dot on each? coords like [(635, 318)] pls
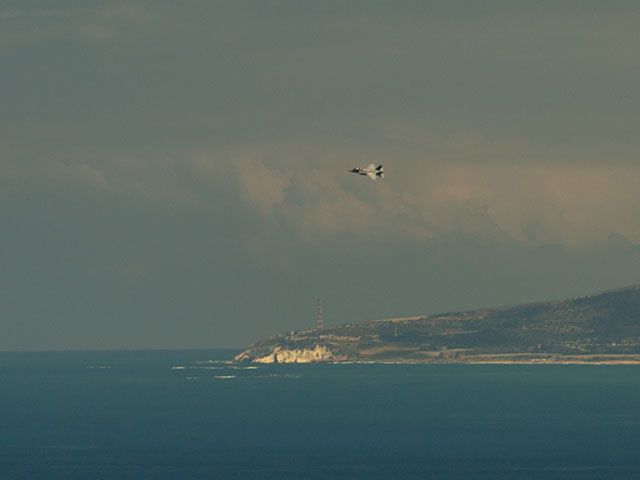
[(319, 317)]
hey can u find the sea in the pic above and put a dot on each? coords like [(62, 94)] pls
[(195, 414)]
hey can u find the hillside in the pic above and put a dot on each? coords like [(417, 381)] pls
[(602, 328)]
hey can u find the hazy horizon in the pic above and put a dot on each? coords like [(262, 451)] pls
[(176, 176)]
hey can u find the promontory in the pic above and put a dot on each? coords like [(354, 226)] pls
[(602, 328)]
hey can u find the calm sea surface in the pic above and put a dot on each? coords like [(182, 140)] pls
[(191, 415)]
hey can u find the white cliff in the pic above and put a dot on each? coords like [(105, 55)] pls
[(284, 355)]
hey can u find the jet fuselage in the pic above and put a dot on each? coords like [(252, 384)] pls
[(371, 171)]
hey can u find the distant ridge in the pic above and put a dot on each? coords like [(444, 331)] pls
[(598, 328)]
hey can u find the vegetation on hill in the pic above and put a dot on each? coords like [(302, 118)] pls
[(593, 328)]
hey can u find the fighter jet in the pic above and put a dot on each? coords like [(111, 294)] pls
[(371, 171)]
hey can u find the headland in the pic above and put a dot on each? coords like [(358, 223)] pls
[(596, 329)]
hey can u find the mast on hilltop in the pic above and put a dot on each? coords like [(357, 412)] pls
[(319, 317)]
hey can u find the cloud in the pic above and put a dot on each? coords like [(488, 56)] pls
[(574, 205), (95, 25), (531, 203), (155, 178), (96, 32), (42, 12), (317, 207), (107, 24), (262, 187), (90, 176), (305, 190)]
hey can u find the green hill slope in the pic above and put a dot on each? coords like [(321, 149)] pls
[(596, 328)]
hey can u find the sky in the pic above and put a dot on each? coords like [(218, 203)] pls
[(175, 174)]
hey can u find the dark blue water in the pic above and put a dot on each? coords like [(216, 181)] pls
[(190, 415)]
